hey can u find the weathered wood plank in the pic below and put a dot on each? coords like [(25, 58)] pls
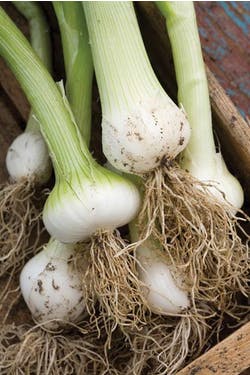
[(224, 32), (230, 357)]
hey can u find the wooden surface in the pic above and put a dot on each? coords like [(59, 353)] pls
[(229, 357)]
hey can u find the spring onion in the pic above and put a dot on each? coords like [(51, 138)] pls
[(28, 155), (141, 125), (51, 287), (50, 283), (200, 157)]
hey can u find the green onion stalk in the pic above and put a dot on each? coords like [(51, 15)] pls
[(78, 63), (87, 202), (200, 157), (29, 168)]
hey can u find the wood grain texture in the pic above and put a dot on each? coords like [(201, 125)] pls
[(229, 357)]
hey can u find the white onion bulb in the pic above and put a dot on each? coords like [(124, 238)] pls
[(162, 291), (51, 287), (28, 156)]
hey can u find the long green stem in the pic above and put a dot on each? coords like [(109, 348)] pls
[(193, 91), (40, 41), (67, 150), (78, 62), (116, 21)]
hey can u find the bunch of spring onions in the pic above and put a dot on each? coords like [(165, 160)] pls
[(186, 262), (87, 202)]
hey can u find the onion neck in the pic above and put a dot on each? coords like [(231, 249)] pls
[(193, 91), (117, 47)]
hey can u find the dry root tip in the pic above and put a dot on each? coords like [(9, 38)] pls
[(20, 229), (20, 216), (166, 344), (113, 280), (200, 239), (34, 351)]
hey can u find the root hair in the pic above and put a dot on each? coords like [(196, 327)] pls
[(200, 238), (112, 280)]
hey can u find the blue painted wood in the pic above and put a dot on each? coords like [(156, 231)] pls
[(224, 28)]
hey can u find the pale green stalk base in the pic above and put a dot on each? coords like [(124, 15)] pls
[(118, 91), (78, 62), (192, 83)]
